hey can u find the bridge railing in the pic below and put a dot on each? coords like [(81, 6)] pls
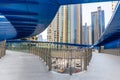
[(112, 51), (59, 57)]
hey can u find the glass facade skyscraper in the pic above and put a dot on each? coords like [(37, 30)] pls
[(65, 24), (79, 24), (73, 24), (86, 34), (76, 24), (69, 24), (98, 24)]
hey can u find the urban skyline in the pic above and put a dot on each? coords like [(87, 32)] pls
[(68, 23), (108, 9)]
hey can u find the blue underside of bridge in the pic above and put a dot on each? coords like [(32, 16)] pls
[(25, 18)]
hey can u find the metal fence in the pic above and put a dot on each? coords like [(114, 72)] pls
[(112, 51), (2, 48), (61, 58)]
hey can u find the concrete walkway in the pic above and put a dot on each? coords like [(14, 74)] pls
[(23, 66)]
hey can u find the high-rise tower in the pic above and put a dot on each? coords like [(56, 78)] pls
[(98, 24), (79, 24), (76, 24), (65, 24)]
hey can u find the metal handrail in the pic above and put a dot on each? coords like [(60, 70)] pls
[(60, 58)]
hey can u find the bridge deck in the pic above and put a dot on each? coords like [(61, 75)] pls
[(23, 66)]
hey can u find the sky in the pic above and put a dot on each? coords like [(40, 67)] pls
[(86, 13)]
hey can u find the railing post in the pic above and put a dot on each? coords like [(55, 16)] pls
[(87, 56), (29, 46), (71, 52), (0, 52), (4, 47), (85, 59), (50, 61)]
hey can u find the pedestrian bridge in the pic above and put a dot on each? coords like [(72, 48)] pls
[(48, 60), (24, 66), (31, 60)]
